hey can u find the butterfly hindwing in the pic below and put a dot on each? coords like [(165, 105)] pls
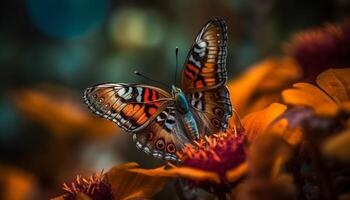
[(205, 66), (163, 137), (213, 107)]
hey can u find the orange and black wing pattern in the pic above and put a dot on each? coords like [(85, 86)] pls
[(163, 137), (131, 106), (146, 112), (205, 66)]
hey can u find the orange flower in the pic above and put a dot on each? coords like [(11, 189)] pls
[(218, 154), (323, 113), (272, 141), (96, 187), (262, 84), (328, 99), (266, 180), (218, 162), (208, 164), (119, 183)]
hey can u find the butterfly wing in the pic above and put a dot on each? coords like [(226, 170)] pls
[(205, 66), (212, 107), (144, 111), (163, 137), (130, 106), (204, 77)]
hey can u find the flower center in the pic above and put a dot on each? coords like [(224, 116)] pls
[(217, 153)]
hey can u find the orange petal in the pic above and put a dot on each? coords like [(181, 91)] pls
[(60, 111), (128, 184), (281, 187), (257, 122), (336, 82), (292, 135), (243, 88), (183, 172), (338, 146), (345, 106), (267, 154), (262, 101), (270, 74), (305, 94), (58, 198), (285, 70), (16, 184), (237, 172), (82, 196)]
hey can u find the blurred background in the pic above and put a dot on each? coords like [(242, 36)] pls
[(51, 50)]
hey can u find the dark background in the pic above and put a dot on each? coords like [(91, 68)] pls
[(54, 49)]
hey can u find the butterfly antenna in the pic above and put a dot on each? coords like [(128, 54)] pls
[(139, 74), (176, 63)]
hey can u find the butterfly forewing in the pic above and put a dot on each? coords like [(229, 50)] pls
[(204, 77), (130, 106), (205, 66), (144, 111)]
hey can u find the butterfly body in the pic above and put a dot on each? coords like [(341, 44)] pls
[(190, 126), (162, 122), (187, 118), (181, 101)]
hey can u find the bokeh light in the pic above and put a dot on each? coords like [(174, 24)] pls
[(63, 62), (66, 18), (136, 28)]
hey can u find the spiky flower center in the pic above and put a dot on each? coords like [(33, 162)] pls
[(217, 153), (96, 187)]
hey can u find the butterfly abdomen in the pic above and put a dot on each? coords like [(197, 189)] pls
[(190, 126)]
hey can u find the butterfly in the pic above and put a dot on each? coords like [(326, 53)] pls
[(162, 123)]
